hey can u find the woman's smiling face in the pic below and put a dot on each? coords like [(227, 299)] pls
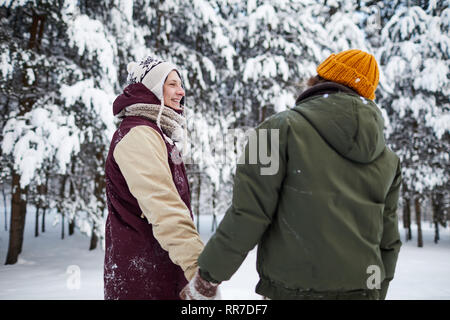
[(173, 91)]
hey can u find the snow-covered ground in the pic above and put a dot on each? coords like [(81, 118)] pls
[(48, 266)]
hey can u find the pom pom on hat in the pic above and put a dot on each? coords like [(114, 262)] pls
[(131, 67)]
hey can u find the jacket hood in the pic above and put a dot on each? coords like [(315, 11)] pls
[(349, 123), (136, 93)]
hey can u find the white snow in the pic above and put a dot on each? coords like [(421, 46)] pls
[(284, 101), (5, 64), (30, 76), (363, 100), (48, 268), (91, 38), (49, 133), (16, 3), (264, 14), (98, 100), (344, 34)]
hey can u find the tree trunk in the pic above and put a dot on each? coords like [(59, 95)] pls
[(263, 114), (436, 232), (44, 191), (62, 194), (94, 238), (407, 218), (72, 227), (406, 212), (6, 210), (72, 196), (43, 220), (419, 223), (36, 224), (197, 205), (18, 201), (99, 192), (62, 225), (17, 226), (435, 208), (214, 222), (158, 29)]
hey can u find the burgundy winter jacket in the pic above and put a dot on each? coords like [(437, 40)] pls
[(136, 266)]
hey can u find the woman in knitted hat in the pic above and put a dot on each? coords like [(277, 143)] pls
[(151, 242), (325, 223)]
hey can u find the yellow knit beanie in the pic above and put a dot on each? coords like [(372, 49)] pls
[(354, 68)]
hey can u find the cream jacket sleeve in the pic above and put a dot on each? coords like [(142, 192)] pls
[(142, 159)]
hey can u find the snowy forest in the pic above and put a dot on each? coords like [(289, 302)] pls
[(63, 62)]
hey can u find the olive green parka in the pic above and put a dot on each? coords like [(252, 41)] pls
[(325, 221)]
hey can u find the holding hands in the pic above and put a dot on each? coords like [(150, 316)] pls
[(200, 289)]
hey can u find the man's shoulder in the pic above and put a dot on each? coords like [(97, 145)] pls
[(277, 120)]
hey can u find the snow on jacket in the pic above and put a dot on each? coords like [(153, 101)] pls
[(151, 242), (325, 223)]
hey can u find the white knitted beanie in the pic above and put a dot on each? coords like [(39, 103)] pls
[(152, 73)]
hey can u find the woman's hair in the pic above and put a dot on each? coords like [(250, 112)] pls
[(308, 83), (315, 80)]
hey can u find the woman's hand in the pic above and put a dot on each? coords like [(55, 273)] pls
[(200, 289)]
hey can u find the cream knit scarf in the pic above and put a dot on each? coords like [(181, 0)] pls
[(172, 124)]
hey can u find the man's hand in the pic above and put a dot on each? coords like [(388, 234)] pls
[(200, 289)]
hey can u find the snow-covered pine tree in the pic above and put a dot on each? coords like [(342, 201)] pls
[(278, 45), (341, 20), (96, 30), (59, 80), (31, 66), (415, 60)]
